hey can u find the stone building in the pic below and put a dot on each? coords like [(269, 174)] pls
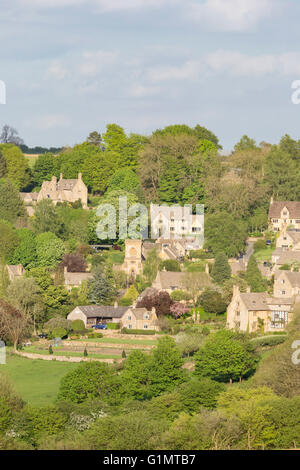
[(132, 265), (289, 240), (64, 190), (284, 214), (249, 311), (75, 279)]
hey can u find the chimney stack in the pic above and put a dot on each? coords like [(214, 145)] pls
[(207, 268), (60, 177), (248, 290), (80, 176), (116, 304)]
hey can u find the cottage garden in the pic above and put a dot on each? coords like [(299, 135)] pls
[(103, 336)]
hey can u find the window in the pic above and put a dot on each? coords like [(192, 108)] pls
[(279, 319), (146, 316), (282, 292), (129, 317), (130, 327), (145, 327)]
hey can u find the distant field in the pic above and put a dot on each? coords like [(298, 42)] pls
[(37, 381), (31, 159)]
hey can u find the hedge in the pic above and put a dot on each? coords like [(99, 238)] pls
[(269, 340), (113, 326), (129, 331)]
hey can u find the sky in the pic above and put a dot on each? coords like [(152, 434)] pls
[(73, 66)]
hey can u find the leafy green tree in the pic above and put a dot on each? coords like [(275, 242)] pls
[(290, 146), (212, 301), (151, 265), (102, 287), (224, 358), (285, 184), (88, 380), (11, 205), (78, 325), (25, 252), (124, 179), (165, 370), (245, 144), (17, 170), (198, 393), (41, 276), (224, 233), (254, 276), (221, 270), (50, 249), (135, 376), (170, 265), (55, 297), (43, 169), (94, 138), (9, 240), (25, 295), (46, 218), (2, 166)]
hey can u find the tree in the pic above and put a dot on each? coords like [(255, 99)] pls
[(89, 380), (245, 144), (161, 301), (135, 376), (189, 343), (25, 252), (124, 179), (212, 301), (290, 146), (95, 138), (43, 169), (195, 282), (75, 263), (11, 205), (170, 265), (3, 168), (14, 325), (254, 277), (50, 249), (224, 233), (9, 240), (9, 135), (285, 185), (58, 322), (102, 287), (165, 370), (151, 265), (198, 393), (17, 170), (221, 270), (25, 296), (46, 218), (224, 358), (177, 309), (41, 276)]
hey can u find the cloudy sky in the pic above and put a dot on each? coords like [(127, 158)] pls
[(72, 66)]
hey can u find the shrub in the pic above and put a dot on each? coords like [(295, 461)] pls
[(259, 245), (179, 295), (129, 331), (58, 322), (59, 333), (170, 265), (125, 302), (113, 326), (212, 301), (78, 325), (95, 335), (268, 341)]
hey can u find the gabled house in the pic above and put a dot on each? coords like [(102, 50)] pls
[(169, 281), (127, 317), (64, 190), (286, 258), (249, 311), (283, 214), (286, 284), (75, 279), (289, 240)]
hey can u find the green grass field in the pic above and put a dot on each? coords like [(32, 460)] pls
[(61, 352), (264, 255), (150, 342), (31, 159), (37, 381)]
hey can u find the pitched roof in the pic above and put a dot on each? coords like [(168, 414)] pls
[(292, 276), (29, 196), (255, 301), (289, 257), (295, 236), (66, 185), (91, 311), (170, 279), (140, 312), (292, 206), (76, 278)]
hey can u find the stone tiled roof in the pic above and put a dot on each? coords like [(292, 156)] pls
[(91, 311), (295, 236), (292, 206), (66, 185), (292, 276), (29, 196), (288, 257), (76, 278), (169, 279), (255, 301)]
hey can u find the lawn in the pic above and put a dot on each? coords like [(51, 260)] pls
[(151, 342), (62, 352), (264, 255), (37, 381)]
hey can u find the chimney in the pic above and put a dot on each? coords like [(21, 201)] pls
[(236, 290), (116, 304), (80, 176), (248, 290), (54, 179), (153, 310), (207, 268), (272, 200), (65, 270), (60, 177)]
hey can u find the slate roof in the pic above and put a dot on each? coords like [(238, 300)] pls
[(91, 311), (173, 279), (289, 257), (255, 301)]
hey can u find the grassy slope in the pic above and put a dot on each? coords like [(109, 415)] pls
[(37, 381)]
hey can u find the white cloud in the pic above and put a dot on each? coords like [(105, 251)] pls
[(189, 70), (100, 5), (57, 71), (141, 91), (231, 15), (53, 121), (94, 61)]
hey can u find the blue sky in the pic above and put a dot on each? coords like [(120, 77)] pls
[(72, 66)]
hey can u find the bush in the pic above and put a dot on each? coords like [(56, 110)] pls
[(169, 265), (59, 333), (128, 331), (259, 245), (212, 301), (113, 326), (95, 335), (179, 295), (78, 325), (268, 341), (125, 302), (199, 254)]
